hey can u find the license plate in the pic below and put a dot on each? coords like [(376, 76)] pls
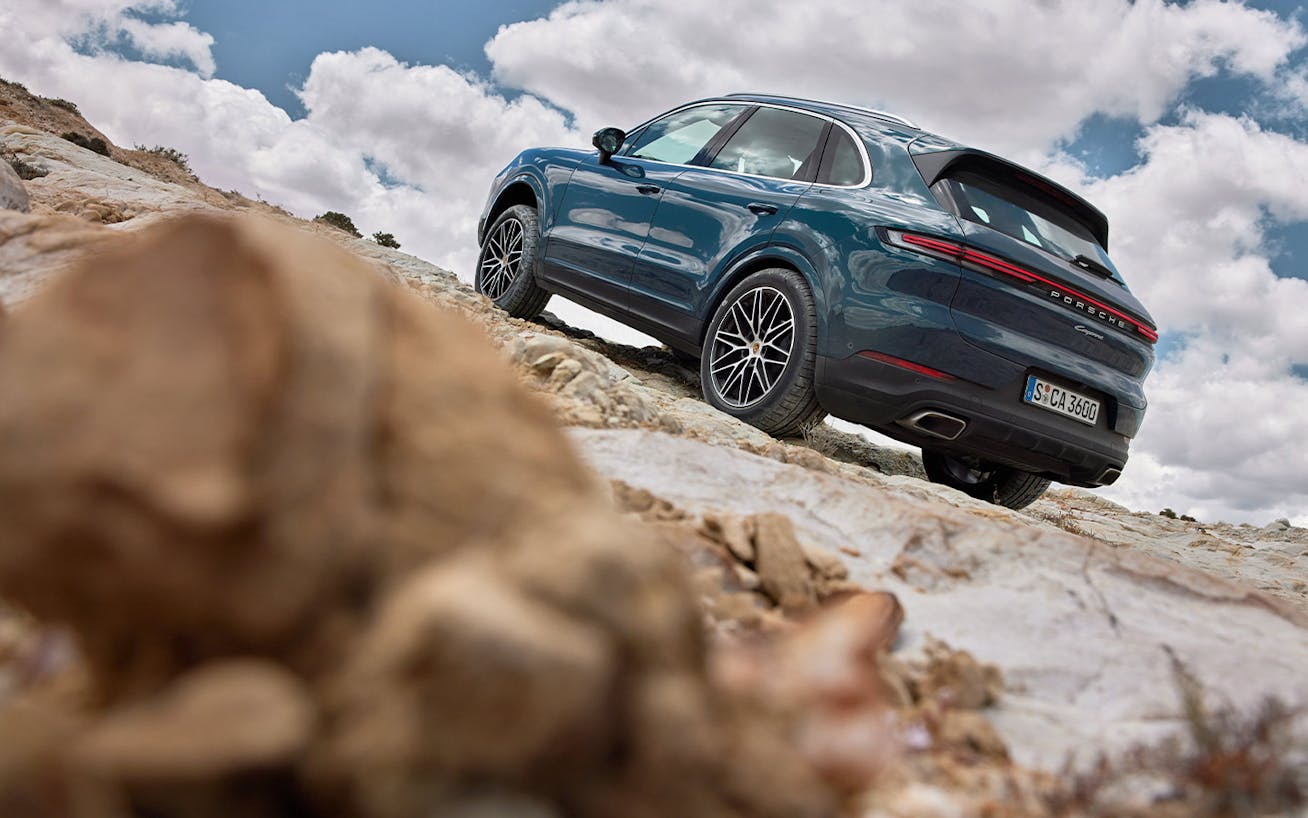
[(1062, 400)]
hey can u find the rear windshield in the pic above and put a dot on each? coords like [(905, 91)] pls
[(1024, 216)]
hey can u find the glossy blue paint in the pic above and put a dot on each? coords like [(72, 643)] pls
[(602, 223), (703, 223), (658, 245)]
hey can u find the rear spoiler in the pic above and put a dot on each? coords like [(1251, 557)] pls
[(936, 164)]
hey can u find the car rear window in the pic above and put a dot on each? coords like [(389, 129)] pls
[(1023, 215), (846, 166)]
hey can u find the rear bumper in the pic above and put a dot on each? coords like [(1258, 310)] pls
[(999, 427)]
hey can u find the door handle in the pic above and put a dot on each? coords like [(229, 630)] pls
[(648, 189), (762, 208)]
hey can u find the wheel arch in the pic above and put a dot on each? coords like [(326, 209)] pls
[(524, 189), (764, 259)]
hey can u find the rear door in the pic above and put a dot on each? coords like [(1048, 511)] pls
[(728, 205), (604, 217)]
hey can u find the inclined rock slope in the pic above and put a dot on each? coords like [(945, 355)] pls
[(1078, 601), (1084, 632)]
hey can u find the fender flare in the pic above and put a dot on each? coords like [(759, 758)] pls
[(523, 176), (759, 259)]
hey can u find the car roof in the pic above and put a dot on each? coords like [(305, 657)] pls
[(829, 108)]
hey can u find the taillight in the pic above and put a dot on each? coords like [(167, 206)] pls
[(963, 254)]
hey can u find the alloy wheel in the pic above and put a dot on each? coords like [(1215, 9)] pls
[(502, 258), (752, 346)]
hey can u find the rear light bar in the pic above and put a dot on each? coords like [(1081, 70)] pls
[(964, 254)]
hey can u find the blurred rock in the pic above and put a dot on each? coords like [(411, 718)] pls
[(826, 673), (318, 565), (782, 570), (13, 196), (219, 721), (956, 679)]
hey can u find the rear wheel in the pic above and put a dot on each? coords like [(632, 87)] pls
[(505, 268), (759, 353), (1001, 485)]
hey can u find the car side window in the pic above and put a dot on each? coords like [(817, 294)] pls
[(845, 167), (773, 142), (679, 137)]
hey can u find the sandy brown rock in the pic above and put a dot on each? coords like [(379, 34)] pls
[(264, 406), (221, 720), (464, 674), (268, 489), (956, 679), (826, 673), (781, 565)]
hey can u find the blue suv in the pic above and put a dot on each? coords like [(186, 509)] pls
[(819, 258)]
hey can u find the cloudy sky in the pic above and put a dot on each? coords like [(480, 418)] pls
[(1187, 123)]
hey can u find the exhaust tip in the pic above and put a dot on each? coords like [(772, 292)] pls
[(936, 424), (1109, 476)]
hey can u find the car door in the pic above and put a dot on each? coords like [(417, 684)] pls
[(720, 210), (604, 216)]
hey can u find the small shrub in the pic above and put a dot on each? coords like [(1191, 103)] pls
[(171, 154), (341, 222), (93, 143), (1232, 764), (1168, 513), (1187, 518), (63, 103), (386, 240), (25, 170)]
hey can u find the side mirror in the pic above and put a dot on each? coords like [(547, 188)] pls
[(608, 141)]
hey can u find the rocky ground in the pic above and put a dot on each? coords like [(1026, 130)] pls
[(726, 600)]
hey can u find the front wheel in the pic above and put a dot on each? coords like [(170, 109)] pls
[(759, 353), (1001, 485), (506, 265)]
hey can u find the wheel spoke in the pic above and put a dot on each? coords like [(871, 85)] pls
[(771, 312), (741, 319), (502, 258), (735, 376), (777, 330), (752, 346), (726, 353)]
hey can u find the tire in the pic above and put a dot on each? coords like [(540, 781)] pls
[(508, 280), (1001, 485), (768, 385)]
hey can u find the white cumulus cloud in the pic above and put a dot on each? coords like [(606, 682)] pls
[(176, 39), (1013, 75)]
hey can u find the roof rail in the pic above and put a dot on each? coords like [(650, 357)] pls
[(873, 111)]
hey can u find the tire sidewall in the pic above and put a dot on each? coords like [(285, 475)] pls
[(525, 281), (802, 355), (1003, 487)]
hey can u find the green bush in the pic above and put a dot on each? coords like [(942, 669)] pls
[(340, 221), (386, 240), (171, 154), (1168, 513), (93, 143)]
